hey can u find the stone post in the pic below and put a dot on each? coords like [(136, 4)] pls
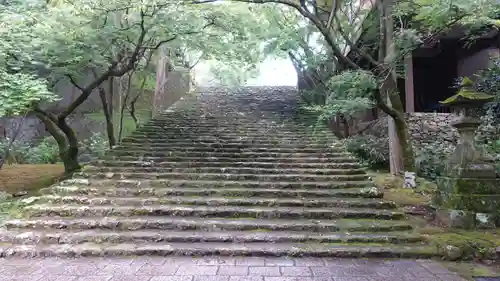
[(469, 195)]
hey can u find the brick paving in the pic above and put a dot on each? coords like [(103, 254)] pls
[(221, 269)]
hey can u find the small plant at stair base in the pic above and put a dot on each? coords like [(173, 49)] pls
[(431, 159), (43, 153), (96, 145), (372, 151)]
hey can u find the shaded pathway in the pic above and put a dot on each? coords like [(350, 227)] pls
[(221, 269)]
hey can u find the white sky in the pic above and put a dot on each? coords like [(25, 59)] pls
[(273, 72)]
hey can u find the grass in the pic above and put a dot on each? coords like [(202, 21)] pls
[(469, 269), (29, 178), (393, 189)]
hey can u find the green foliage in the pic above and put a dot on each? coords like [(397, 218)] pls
[(96, 145), (350, 92), (493, 148), (371, 150), (431, 159), (45, 152), (488, 80)]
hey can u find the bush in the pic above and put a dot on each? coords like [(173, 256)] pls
[(431, 159), (372, 151), (96, 145), (45, 152)]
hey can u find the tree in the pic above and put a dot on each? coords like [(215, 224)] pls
[(339, 23), (71, 40), (66, 41)]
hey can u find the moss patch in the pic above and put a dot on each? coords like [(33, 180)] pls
[(393, 189), (405, 197), (468, 269), (29, 178), (477, 245)]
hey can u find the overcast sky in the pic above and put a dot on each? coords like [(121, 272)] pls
[(273, 72)]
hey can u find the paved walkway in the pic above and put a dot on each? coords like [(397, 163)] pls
[(220, 269)]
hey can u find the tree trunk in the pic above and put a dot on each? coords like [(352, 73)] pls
[(66, 150), (108, 116), (124, 104), (402, 158), (6, 153), (345, 125), (69, 155)]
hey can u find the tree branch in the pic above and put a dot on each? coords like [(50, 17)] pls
[(74, 82), (332, 14), (313, 18), (353, 45)]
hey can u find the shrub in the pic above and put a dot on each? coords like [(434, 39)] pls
[(431, 159), (372, 151), (96, 145), (45, 152)]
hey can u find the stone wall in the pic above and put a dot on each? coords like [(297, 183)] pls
[(177, 85), (425, 128), (428, 128)]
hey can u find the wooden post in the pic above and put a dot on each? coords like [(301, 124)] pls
[(409, 90)]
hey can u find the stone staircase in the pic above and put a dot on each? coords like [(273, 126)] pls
[(221, 173)]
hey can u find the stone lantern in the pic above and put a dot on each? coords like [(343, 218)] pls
[(468, 194)]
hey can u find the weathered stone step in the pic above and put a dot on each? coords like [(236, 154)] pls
[(232, 136), (225, 128), (374, 203), (226, 170), (150, 153), (158, 236), (231, 249), (291, 159), (221, 192), (220, 122), (145, 147), (209, 225), (235, 137), (213, 140), (68, 210), (203, 184), (222, 176), (203, 163), (233, 144)]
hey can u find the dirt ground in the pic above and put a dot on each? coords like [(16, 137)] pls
[(30, 178)]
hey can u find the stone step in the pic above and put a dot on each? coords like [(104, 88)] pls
[(191, 164), (67, 210), (242, 123), (232, 138), (224, 128), (226, 249), (145, 147), (234, 144), (219, 201), (225, 170), (221, 192), (209, 225), (223, 176), (213, 140), (203, 184), (158, 236), (151, 153), (290, 159)]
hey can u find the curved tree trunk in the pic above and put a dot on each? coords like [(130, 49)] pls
[(67, 151)]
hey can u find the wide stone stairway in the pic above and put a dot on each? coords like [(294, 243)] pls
[(220, 173)]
